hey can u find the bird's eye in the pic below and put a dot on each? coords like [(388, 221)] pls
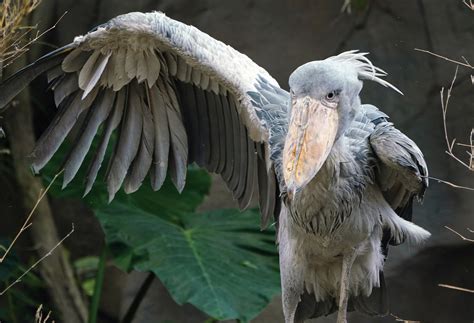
[(331, 96)]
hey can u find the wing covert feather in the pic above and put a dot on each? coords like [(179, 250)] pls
[(175, 94)]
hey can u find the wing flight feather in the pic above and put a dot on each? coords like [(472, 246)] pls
[(174, 93)]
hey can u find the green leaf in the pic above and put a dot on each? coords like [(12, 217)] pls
[(98, 283), (218, 261)]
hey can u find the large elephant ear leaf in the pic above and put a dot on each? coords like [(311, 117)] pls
[(218, 261)]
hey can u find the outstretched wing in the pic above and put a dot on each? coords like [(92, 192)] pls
[(402, 173), (175, 96)]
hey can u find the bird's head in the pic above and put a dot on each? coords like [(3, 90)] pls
[(324, 99)]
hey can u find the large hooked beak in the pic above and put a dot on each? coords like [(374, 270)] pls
[(311, 134)]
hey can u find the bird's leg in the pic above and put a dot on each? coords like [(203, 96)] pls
[(347, 261)]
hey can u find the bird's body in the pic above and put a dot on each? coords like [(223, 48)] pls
[(336, 176), (341, 208)]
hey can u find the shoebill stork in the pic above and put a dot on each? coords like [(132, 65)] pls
[(335, 175)]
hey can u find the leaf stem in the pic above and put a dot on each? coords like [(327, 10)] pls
[(99, 282), (132, 310)]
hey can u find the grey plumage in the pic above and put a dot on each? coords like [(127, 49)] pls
[(59, 128), (196, 76), (142, 162), (181, 69), (75, 60), (162, 139), (66, 86), (178, 137), (153, 64), (234, 179), (188, 104), (128, 142), (112, 123), (221, 130), (227, 139), (92, 71), (54, 73), (171, 63), (13, 85), (202, 128), (213, 162), (243, 167), (89, 74), (130, 63), (95, 117), (266, 187), (118, 63), (338, 179), (142, 68), (250, 181)]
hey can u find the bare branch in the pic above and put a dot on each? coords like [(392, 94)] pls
[(450, 143), (464, 145), (346, 7), (471, 141), (39, 315), (469, 4), (28, 222), (450, 184), (457, 288), (466, 64), (12, 30), (459, 235), (38, 261), (402, 320), (18, 51)]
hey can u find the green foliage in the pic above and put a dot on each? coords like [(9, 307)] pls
[(218, 261), (98, 283), (86, 269), (360, 4), (22, 299)]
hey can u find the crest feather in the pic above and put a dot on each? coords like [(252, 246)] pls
[(364, 67)]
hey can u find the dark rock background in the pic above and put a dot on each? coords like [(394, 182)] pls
[(281, 35)]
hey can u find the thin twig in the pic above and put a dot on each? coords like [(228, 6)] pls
[(459, 235), (12, 15), (471, 141), (27, 222), (466, 64), (39, 315), (457, 288), (346, 7), (402, 320), (470, 5), (450, 143), (19, 51), (464, 145), (450, 184), (38, 261)]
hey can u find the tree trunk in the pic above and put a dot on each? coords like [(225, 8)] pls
[(55, 269)]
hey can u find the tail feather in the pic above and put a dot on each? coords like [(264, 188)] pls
[(403, 230), (309, 308), (376, 304)]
